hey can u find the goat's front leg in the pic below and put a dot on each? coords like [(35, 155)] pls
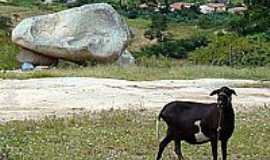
[(214, 146), (177, 149), (224, 149), (162, 145)]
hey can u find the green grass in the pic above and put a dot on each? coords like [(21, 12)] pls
[(122, 135), (9, 10), (24, 3), (260, 84), (177, 30), (8, 52), (137, 73)]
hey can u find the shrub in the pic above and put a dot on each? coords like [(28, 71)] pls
[(232, 50), (157, 28), (132, 14), (8, 52), (5, 24), (215, 20), (173, 48), (185, 15), (266, 35), (255, 20), (24, 3)]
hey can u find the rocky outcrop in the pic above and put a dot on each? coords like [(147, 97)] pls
[(93, 31)]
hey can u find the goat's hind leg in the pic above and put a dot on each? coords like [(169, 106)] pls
[(163, 144), (177, 149)]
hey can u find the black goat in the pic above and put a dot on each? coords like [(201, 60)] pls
[(198, 123)]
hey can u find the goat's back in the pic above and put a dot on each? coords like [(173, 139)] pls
[(186, 111)]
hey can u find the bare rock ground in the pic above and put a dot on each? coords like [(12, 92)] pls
[(36, 98)]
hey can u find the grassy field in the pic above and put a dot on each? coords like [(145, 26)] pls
[(122, 135), (148, 73), (261, 84)]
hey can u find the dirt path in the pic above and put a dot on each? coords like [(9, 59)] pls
[(36, 98)]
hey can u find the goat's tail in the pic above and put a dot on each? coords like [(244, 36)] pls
[(158, 118)]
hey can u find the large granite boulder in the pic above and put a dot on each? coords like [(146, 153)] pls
[(93, 31)]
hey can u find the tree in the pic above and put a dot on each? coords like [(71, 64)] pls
[(256, 19), (254, 3), (167, 5), (158, 28), (5, 24)]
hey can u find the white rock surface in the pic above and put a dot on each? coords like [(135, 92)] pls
[(93, 31)]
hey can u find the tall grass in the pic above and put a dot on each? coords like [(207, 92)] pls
[(8, 52), (145, 72)]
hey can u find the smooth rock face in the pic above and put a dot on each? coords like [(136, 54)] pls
[(93, 31)]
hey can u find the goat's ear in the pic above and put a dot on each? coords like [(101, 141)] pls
[(214, 92), (233, 92)]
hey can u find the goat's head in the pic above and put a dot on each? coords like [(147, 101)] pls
[(224, 95)]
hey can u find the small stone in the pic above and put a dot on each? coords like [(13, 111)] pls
[(126, 59), (39, 68), (27, 66)]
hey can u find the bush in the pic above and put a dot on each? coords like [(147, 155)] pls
[(214, 20), (266, 35), (157, 28), (132, 14), (8, 52), (255, 20), (24, 3), (232, 50), (5, 24), (173, 48)]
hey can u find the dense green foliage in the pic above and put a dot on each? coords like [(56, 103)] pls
[(233, 50), (8, 52), (5, 24), (157, 28), (255, 20), (186, 16), (252, 3), (173, 48)]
